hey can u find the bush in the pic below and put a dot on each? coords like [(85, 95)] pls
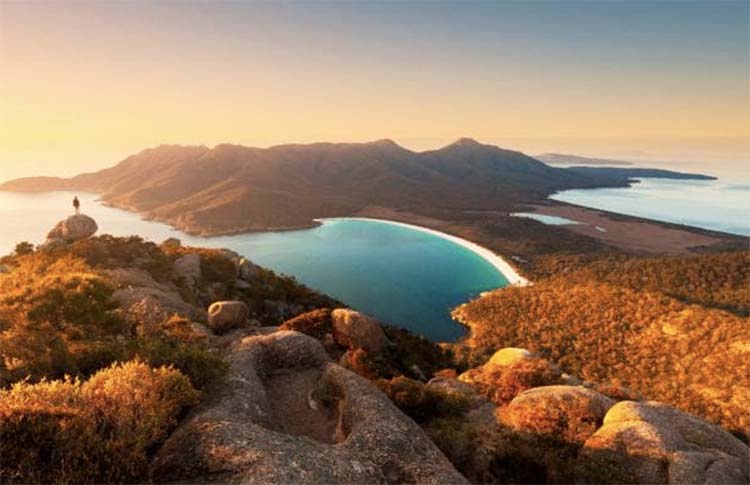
[(110, 252), (315, 323), (200, 365), (101, 430), (422, 402), (500, 384), (56, 319), (24, 248)]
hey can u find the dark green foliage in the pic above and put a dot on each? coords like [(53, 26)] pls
[(315, 323), (202, 366), (422, 402), (111, 252), (24, 248)]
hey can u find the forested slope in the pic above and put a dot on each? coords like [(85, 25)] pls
[(674, 329)]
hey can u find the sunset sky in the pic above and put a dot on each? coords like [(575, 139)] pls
[(85, 84)]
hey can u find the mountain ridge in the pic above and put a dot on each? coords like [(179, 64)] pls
[(233, 188)]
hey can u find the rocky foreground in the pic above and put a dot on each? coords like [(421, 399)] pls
[(315, 393)]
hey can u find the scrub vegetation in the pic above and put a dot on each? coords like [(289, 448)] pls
[(673, 329), (88, 388)]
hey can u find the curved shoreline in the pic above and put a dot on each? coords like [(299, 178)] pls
[(496, 261)]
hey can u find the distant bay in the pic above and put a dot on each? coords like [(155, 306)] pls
[(403, 276), (719, 205)]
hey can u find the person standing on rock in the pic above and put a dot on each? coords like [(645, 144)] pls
[(77, 205)]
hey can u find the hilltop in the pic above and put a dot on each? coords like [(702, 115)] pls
[(232, 188), (129, 361)]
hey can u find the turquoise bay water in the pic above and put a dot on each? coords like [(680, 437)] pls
[(399, 275), (710, 204)]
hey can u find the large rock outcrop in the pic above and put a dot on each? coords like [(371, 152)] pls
[(188, 267), (356, 330), (248, 271), (74, 228), (650, 442), (289, 415), (146, 301)]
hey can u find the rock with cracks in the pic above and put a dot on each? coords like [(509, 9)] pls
[(289, 415)]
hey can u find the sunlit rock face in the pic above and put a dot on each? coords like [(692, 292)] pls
[(289, 415), (74, 228)]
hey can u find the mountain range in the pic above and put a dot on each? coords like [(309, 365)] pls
[(232, 188)]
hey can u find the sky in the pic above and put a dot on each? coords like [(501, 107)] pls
[(85, 84)]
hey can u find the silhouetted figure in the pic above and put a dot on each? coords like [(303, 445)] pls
[(77, 205)]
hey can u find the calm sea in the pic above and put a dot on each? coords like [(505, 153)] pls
[(720, 205), (399, 275)]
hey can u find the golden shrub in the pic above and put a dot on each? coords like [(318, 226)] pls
[(56, 319), (100, 430)]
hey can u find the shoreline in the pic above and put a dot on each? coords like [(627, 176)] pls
[(500, 264)]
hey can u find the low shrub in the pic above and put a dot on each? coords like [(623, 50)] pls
[(100, 430), (500, 384), (422, 402), (315, 323), (56, 318), (202, 366)]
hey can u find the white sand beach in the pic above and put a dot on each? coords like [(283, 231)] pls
[(498, 262)]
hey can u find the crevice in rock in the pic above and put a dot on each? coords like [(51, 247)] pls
[(301, 407)]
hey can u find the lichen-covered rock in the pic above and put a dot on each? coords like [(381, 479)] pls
[(143, 300), (147, 305), (288, 415), (651, 442), (246, 269), (564, 412), (135, 277), (691, 428), (355, 330), (188, 267), (226, 315), (74, 228)]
